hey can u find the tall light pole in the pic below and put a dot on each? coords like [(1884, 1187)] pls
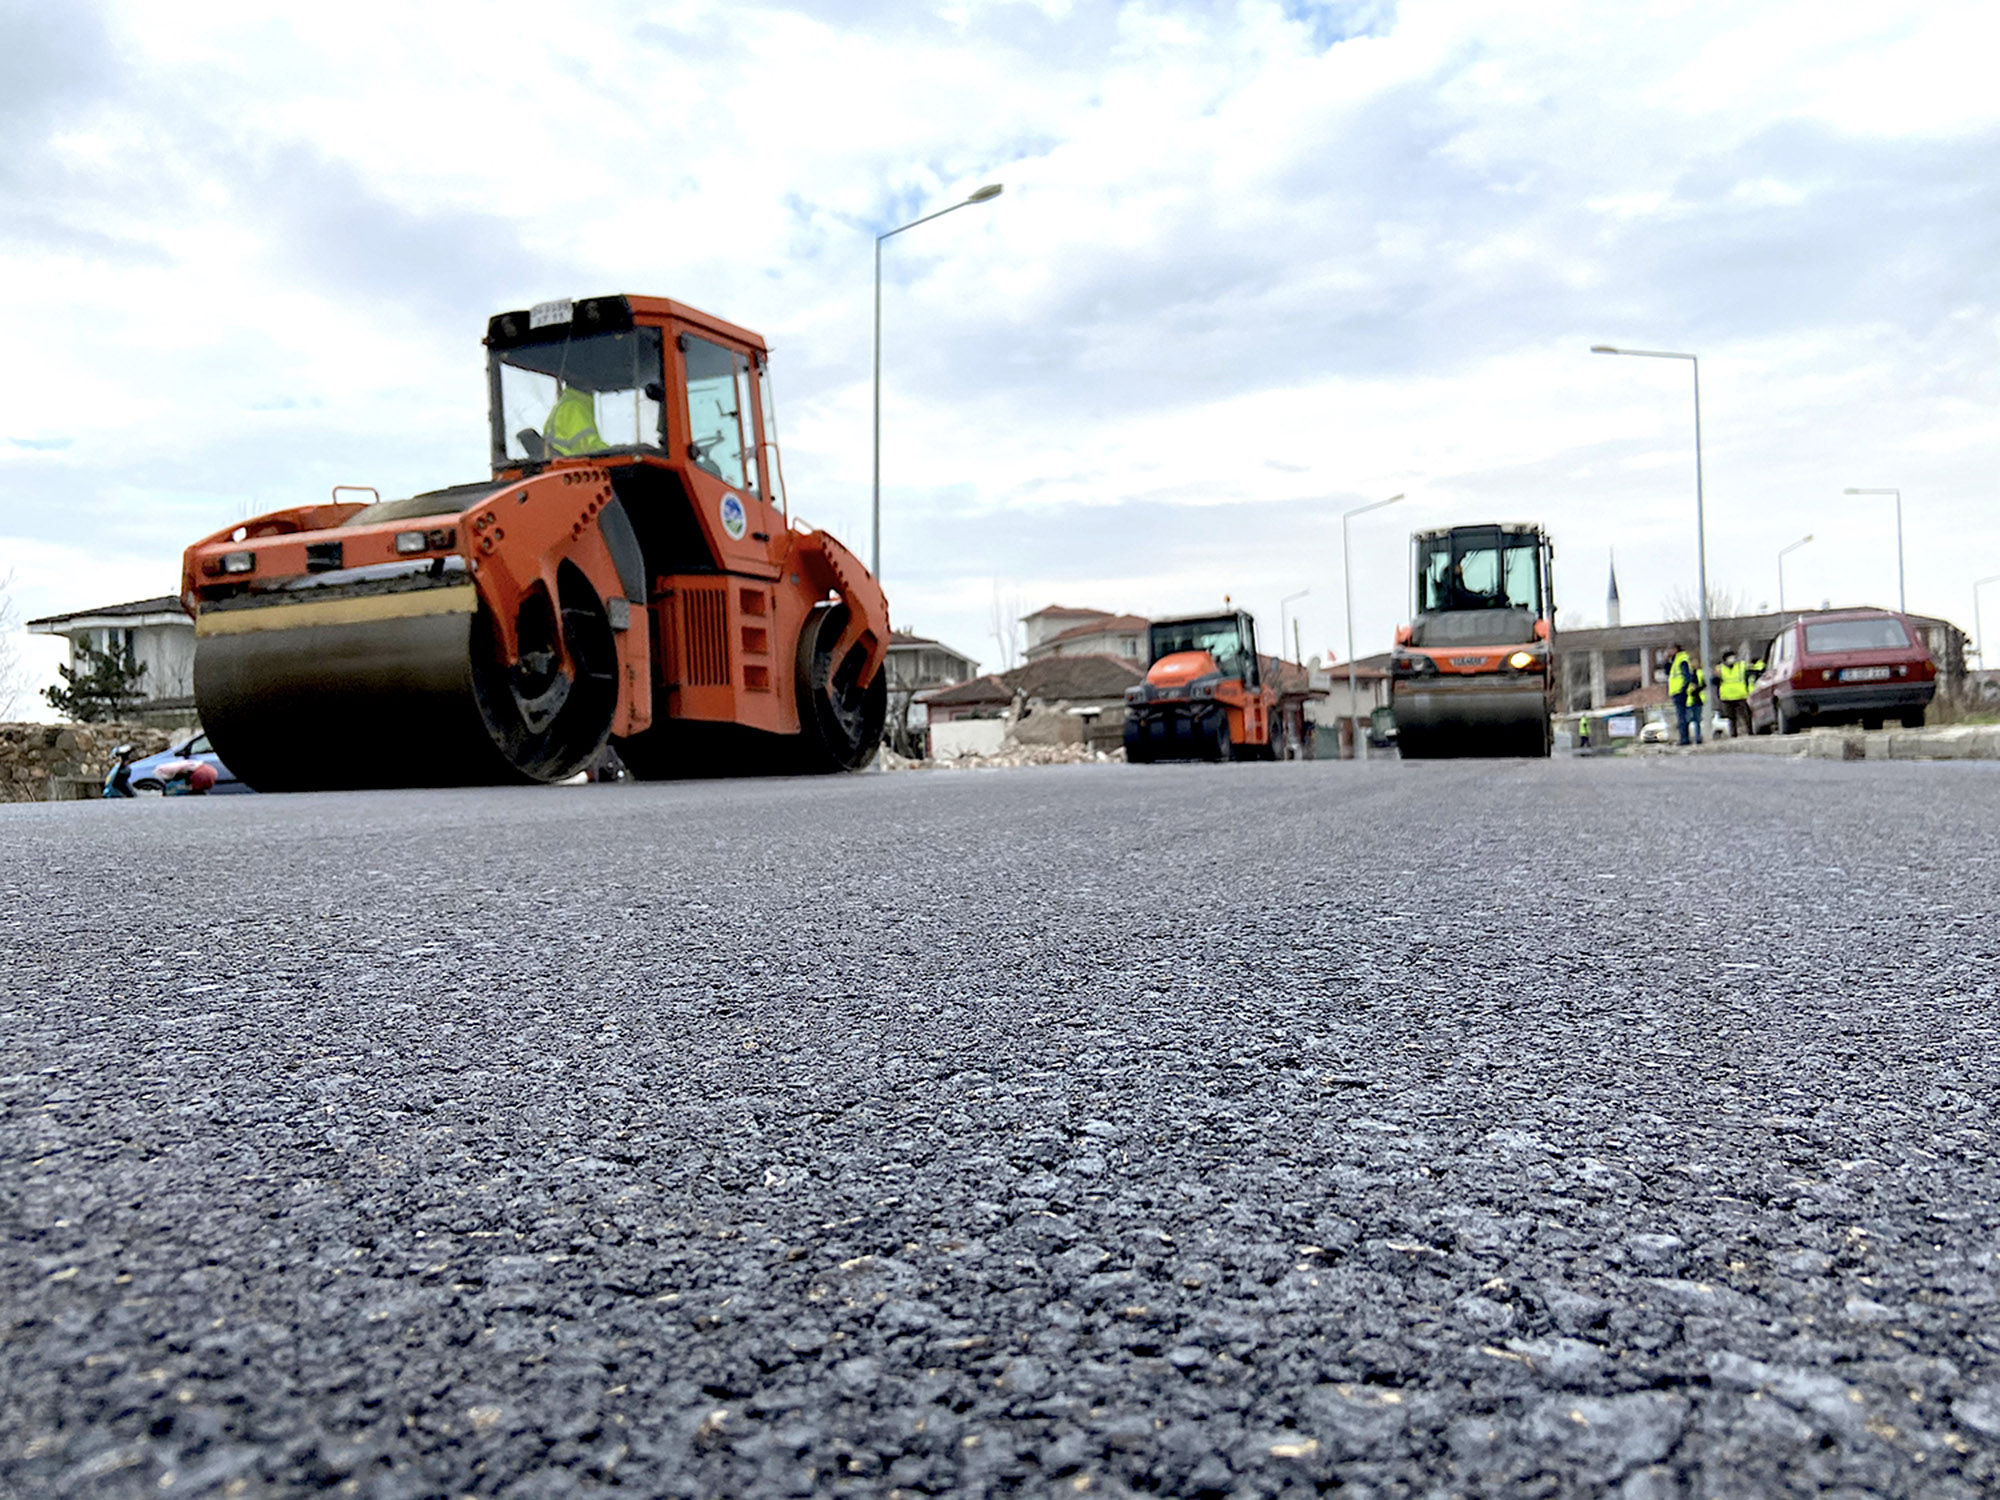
[(1978, 630), (1347, 588), (1700, 520), (1281, 620), (990, 191), (1781, 567), (1902, 600)]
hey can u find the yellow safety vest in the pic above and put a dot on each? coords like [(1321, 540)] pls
[(1680, 676), (1735, 683), (573, 424)]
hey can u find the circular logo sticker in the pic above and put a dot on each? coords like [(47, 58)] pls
[(735, 520)]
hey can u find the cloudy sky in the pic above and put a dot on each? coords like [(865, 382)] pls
[(1255, 263)]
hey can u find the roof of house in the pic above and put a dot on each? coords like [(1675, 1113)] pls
[(1288, 678), (1097, 625), (904, 638), (1366, 668), (136, 609), (973, 691), (1066, 612), (1087, 675)]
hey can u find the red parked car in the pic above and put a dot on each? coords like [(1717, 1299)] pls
[(1861, 666)]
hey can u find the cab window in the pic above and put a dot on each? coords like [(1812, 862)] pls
[(720, 427)]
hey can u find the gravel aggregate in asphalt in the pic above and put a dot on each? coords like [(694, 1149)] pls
[(1580, 1128)]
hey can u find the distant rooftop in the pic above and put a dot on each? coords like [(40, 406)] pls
[(165, 604)]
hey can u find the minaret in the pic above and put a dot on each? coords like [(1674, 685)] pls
[(1611, 616)]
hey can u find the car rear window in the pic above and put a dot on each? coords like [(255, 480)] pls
[(1856, 635)]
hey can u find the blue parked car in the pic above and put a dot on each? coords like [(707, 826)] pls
[(146, 773)]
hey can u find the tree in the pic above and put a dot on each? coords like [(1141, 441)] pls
[(1004, 626), (1723, 604), (13, 676), (98, 686)]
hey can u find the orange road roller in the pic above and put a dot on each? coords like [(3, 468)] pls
[(1471, 675), (630, 575), (1204, 697)]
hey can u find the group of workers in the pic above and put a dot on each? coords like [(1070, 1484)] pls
[(1734, 678)]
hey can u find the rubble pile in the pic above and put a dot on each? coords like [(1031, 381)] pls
[(1009, 756), (52, 762)]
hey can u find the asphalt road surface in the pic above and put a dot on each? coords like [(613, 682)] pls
[(1557, 1129)]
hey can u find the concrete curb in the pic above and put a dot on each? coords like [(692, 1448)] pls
[(1947, 742)]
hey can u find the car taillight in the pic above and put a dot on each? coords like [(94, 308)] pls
[(1826, 674)]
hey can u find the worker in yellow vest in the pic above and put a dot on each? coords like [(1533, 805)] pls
[(1733, 688), (572, 426), (1684, 688)]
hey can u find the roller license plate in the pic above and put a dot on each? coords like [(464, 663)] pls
[(1864, 674)]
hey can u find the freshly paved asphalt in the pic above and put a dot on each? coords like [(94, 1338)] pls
[(1400, 1130)]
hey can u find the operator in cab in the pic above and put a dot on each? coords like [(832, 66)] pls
[(572, 426)]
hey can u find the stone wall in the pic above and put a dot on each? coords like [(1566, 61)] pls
[(52, 762)]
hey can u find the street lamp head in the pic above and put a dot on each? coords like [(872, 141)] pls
[(1602, 349), (991, 190)]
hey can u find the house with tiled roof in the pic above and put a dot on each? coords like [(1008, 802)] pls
[(917, 662), (1089, 688), (1122, 636), (154, 634)]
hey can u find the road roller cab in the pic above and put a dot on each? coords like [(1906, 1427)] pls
[(629, 573), (1204, 697), (1470, 675)]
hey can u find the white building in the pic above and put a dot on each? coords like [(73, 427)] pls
[(1061, 631), (917, 662), (152, 633)]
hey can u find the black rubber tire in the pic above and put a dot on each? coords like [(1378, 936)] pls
[(582, 724), (1913, 718), (1219, 746), (1782, 722), (1135, 742), (840, 722)]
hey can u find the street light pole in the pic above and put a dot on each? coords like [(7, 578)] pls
[(1978, 630), (1781, 567), (1347, 589), (1281, 618), (991, 190), (1902, 599), (1700, 519)]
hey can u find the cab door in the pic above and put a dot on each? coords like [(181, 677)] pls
[(718, 444)]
